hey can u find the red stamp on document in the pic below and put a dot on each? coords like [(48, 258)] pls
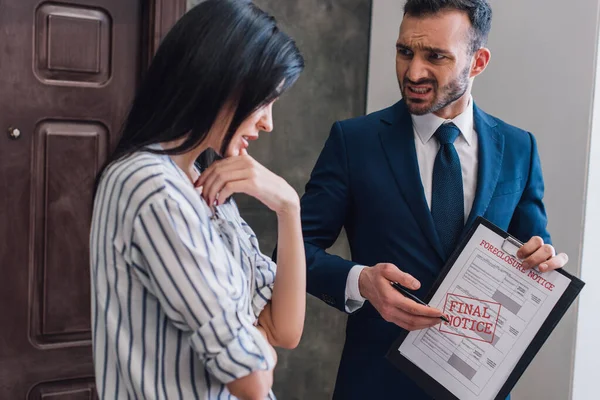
[(471, 318)]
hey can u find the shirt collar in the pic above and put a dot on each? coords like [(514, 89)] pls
[(426, 125)]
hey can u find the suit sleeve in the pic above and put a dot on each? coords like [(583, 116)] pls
[(325, 206), (529, 218)]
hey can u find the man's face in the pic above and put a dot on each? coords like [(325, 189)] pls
[(433, 60)]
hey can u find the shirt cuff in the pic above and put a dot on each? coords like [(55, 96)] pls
[(231, 347), (353, 299)]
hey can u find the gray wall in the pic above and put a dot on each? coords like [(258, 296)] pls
[(587, 352), (541, 78), (382, 89), (334, 38)]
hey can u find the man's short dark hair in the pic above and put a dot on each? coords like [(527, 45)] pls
[(479, 12)]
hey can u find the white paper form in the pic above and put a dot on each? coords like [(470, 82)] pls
[(495, 308)]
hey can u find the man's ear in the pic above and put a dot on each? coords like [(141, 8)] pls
[(480, 61)]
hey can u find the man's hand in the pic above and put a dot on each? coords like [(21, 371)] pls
[(374, 285), (535, 252)]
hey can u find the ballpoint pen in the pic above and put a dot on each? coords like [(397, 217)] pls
[(411, 296)]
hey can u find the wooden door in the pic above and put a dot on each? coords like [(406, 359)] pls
[(68, 71)]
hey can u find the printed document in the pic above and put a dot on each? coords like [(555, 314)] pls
[(495, 308)]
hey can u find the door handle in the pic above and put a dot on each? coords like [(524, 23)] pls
[(14, 133)]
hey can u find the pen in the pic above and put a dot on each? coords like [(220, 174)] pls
[(411, 296)]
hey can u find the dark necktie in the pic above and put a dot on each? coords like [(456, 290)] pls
[(447, 198)]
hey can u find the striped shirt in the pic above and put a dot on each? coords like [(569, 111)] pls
[(176, 288)]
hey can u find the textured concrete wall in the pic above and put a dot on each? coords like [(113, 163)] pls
[(334, 38)]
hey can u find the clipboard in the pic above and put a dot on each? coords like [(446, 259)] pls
[(510, 245)]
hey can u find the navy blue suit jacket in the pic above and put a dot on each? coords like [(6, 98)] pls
[(367, 180)]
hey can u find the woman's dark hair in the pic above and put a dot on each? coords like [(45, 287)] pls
[(220, 52)]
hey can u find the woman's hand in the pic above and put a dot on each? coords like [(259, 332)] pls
[(243, 174)]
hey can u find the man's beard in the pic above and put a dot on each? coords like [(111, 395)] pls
[(442, 97)]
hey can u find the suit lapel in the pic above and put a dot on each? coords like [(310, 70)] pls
[(491, 151), (397, 138)]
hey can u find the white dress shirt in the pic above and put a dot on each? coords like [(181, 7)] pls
[(427, 148)]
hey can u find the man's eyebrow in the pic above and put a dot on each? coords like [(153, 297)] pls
[(431, 49)]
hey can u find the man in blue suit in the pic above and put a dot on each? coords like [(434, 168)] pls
[(406, 182)]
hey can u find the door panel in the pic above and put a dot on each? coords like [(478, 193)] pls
[(66, 157), (72, 45), (68, 71)]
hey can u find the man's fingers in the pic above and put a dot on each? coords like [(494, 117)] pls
[(413, 308), (530, 247), (393, 274), (412, 322), (393, 299), (542, 254), (555, 262)]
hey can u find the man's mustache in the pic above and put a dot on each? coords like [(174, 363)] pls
[(419, 82)]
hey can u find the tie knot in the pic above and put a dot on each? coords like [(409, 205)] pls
[(447, 133)]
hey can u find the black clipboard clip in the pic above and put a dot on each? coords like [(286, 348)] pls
[(516, 245)]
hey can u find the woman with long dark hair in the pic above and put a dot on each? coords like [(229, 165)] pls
[(184, 304)]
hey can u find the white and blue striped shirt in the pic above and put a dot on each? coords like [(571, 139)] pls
[(176, 289)]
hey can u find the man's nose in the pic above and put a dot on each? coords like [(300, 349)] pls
[(416, 70)]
